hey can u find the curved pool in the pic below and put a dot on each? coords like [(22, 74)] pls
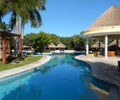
[(62, 78)]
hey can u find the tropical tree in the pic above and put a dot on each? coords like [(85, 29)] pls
[(22, 11), (4, 26), (78, 42), (29, 39), (67, 41), (54, 38), (32, 14), (82, 43), (41, 42), (75, 39), (26, 10)]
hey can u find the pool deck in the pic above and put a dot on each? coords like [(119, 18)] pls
[(105, 70), (27, 67)]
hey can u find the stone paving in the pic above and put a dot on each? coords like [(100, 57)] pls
[(21, 69), (105, 70)]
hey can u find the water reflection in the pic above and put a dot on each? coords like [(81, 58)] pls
[(62, 59)]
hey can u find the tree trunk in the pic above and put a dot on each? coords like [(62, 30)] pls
[(22, 30), (20, 46), (16, 39)]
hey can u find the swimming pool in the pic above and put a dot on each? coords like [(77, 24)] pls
[(62, 78)]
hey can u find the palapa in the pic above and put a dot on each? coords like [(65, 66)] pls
[(60, 45), (96, 45), (51, 45), (111, 17), (106, 26), (114, 43)]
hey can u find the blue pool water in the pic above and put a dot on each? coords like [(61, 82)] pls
[(63, 78)]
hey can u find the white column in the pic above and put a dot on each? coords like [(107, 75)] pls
[(87, 46), (106, 46)]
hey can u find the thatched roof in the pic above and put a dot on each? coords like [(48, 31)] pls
[(60, 45), (96, 45), (111, 17), (114, 43), (51, 45)]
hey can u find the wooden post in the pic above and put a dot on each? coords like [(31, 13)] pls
[(3, 48), (20, 46), (10, 47)]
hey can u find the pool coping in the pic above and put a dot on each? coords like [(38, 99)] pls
[(24, 68)]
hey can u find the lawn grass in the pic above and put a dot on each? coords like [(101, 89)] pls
[(24, 61)]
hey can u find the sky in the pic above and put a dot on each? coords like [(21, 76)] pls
[(69, 17)]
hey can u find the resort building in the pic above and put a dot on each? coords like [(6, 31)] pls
[(106, 27)]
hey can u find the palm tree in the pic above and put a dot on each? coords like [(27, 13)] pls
[(4, 26), (76, 39), (27, 10)]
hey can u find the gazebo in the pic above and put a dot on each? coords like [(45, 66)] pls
[(105, 27)]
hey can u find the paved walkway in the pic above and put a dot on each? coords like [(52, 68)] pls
[(14, 71), (106, 70)]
